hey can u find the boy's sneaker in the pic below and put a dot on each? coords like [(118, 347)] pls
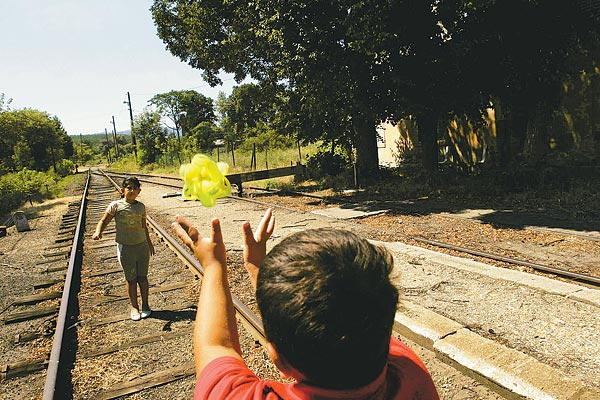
[(146, 313), (135, 315)]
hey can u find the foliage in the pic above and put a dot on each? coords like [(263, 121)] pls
[(65, 167), (326, 163), (184, 108), (519, 67), (342, 65), (200, 139), (151, 136), (249, 109), (32, 139), (16, 188)]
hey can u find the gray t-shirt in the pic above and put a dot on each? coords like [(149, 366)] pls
[(129, 219)]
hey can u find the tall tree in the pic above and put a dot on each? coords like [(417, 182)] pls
[(32, 139), (151, 136), (184, 108), (248, 106), (343, 62), (516, 55)]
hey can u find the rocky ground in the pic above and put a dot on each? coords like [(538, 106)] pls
[(19, 251)]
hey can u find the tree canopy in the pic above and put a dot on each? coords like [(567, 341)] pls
[(32, 139), (184, 108), (344, 66), (342, 62)]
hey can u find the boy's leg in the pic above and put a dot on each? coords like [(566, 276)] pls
[(142, 277), (132, 293), (126, 256), (144, 291)]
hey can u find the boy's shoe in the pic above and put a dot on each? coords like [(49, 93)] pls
[(146, 313), (135, 315)]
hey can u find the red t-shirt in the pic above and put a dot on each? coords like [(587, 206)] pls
[(404, 377)]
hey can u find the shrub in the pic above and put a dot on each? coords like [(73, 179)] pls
[(16, 188), (324, 164)]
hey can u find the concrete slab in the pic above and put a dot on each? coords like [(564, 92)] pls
[(409, 322), (513, 374), (507, 368), (590, 296)]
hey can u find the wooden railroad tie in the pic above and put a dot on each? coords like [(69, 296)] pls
[(36, 298), (159, 289), (149, 381), (30, 314), (126, 317), (47, 283), (140, 341), (21, 368)]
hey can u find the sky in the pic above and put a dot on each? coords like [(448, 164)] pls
[(77, 59)]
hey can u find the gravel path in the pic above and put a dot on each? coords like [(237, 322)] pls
[(556, 330), (559, 331)]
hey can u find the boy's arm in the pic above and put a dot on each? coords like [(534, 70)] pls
[(106, 218), (215, 331), (255, 244), (150, 244)]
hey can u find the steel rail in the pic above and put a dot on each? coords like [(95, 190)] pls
[(248, 319), (591, 280), (586, 279), (53, 373)]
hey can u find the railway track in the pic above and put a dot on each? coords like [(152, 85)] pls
[(110, 356), (114, 355), (567, 272)]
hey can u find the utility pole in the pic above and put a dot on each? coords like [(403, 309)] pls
[(115, 136), (107, 144), (132, 133)]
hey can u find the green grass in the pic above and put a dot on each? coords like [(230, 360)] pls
[(275, 158)]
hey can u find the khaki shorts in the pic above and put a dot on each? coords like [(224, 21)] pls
[(134, 259)]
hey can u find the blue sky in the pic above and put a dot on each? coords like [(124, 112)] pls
[(77, 59)]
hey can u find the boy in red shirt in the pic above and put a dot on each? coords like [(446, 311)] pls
[(327, 306)]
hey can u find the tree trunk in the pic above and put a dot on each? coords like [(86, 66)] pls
[(595, 114), (502, 137), (367, 159), (427, 128)]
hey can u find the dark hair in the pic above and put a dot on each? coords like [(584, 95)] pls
[(131, 180), (328, 305)]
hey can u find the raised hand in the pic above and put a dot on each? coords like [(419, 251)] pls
[(209, 251), (255, 244)]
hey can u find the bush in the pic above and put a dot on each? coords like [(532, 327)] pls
[(65, 167), (325, 163), (16, 188)]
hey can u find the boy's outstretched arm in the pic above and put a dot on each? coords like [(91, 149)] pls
[(215, 331), (255, 244), (106, 218)]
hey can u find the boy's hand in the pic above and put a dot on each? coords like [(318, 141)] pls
[(151, 247), (255, 244), (209, 251)]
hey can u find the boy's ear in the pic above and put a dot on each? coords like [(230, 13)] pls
[(286, 369)]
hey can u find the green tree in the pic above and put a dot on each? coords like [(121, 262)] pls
[(200, 138), (517, 56), (248, 107), (151, 136), (184, 108), (342, 63), (32, 139)]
